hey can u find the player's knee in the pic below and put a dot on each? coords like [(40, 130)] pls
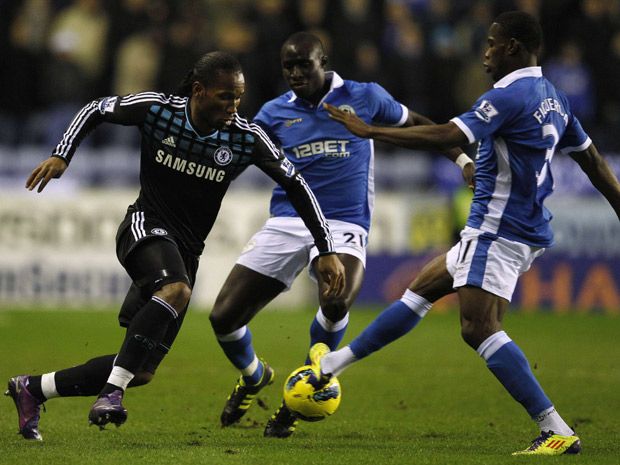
[(228, 312), (468, 333), (476, 332), (216, 320), (141, 378), (176, 294), (335, 309), (221, 321), (471, 330)]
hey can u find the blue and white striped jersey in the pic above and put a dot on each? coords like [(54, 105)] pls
[(519, 123), (337, 165)]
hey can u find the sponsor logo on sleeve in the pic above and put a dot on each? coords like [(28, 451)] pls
[(486, 111), (287, 167), (223, 156), (106, 105)]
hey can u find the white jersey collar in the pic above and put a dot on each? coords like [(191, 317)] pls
[(531, 71), (335, 82)]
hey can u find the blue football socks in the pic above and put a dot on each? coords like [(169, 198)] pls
[(238, 348), (509, 365), (326, 331), (395, 321)]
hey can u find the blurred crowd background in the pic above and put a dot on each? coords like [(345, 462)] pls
[(58, 54)]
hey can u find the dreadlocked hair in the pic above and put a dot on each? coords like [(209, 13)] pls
[(206, 69)]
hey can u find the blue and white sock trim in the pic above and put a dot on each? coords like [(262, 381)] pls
[(251, 368), (492, 344), (329, 325), (234, 336), (416, 303)]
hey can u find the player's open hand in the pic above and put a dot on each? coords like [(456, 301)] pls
[(468, 175), (332, 271), (53, 167), (350, 121)]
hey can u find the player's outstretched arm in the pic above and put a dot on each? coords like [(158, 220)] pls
[(440, 137), (53, 167), (456, 154), (443, 137), (332, 271), (600, 174)]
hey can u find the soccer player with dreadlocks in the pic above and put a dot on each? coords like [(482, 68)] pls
[(193, 145)]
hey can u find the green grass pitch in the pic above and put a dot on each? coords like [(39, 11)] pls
[(426, 399)]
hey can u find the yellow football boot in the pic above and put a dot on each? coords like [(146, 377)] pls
[(549, 443), (316, 353)]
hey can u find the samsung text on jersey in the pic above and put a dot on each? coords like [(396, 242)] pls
[(191, 168)]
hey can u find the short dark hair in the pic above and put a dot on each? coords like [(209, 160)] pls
[(306, 38), (523, 27), (206, 68)]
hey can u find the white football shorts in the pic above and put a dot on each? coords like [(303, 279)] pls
[(284, 246), (493, 263)]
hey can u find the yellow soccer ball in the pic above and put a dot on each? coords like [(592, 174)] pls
[(302, 397)]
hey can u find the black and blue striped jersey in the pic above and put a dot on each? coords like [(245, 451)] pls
[(183, 174)]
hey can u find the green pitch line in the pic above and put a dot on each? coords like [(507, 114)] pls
[(427, 399)]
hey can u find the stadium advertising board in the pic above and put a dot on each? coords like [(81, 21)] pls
[(580, 273), (555, 283), (58, 249)]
